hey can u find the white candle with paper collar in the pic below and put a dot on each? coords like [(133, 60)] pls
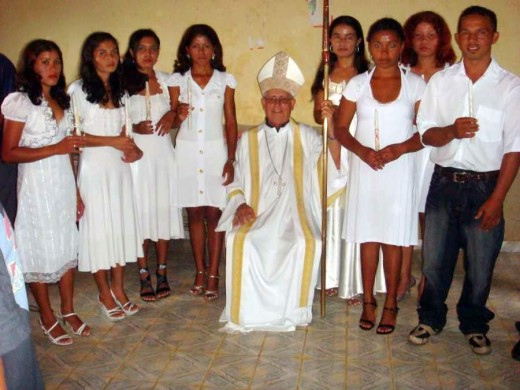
[(128, 125), (376, 130), (148, 102), (75, 110)]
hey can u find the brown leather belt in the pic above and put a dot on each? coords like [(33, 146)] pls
[(462, 176)]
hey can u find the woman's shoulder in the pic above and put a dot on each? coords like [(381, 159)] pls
[(17, 106), (75, 87), (226, 78)]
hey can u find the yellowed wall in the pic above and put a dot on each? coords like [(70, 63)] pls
[(283, 24)]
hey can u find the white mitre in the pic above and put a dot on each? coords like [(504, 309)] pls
[(281, 72)]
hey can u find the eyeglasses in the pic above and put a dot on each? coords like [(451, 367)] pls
[(284, 101)]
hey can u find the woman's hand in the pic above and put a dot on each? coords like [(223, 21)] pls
[(165, 124), (327, 111), (123, 143), (80, 206), (144, 127), (372, 158), (390, 153), (132, 154), (228, 173), (183, 110), (71, 145)]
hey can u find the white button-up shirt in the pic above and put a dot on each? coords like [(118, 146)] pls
[(494, 100)]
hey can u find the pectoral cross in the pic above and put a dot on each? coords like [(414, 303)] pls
[(279, 184)]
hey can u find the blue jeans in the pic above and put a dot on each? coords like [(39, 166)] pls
[(451, 225)]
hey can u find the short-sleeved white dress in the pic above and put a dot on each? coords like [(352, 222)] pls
[(344, 258), (109, 230), (45, 227), (201, 148), (381, 205), (155, 174)]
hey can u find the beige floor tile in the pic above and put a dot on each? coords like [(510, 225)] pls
[(174, 343)]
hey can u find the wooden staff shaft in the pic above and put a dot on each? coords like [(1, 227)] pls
[(323, 261)]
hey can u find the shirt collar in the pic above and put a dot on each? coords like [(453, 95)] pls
[(491, 70)]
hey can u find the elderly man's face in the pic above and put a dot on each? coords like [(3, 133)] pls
[(278, 105)]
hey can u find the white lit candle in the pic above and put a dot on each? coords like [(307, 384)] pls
[(75, 109), (470, 98), (128, 125), (376, 129), (148, 102), (189, 103)]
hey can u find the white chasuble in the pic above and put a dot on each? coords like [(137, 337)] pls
[(272, 263)]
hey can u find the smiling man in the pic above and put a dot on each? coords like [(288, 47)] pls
[(469, 113), (273, 212)]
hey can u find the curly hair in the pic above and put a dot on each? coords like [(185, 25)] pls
[(29, 81), (92, 83), (360, 59), (444, 53), (133, 80), (183, 62)]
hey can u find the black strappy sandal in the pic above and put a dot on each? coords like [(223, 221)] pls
[(367, 324), (163, 289), (147, 293)]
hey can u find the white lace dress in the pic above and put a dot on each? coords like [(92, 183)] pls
[(45, 228)]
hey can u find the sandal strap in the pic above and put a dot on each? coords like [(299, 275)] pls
[(391, 309), (370, 303), (144, 271), (161, 266), (214, 276), (61, 315)]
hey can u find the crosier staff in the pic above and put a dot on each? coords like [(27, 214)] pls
[(323, 260)]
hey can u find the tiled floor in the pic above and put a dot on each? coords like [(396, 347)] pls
[(175, 344)]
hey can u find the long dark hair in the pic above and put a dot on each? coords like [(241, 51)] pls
[(360, 59), (133, 80), (183, 62), (30, 82), (92, 83), (444, 53)]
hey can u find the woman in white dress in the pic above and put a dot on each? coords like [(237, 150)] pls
[(109, 235), (37, 136), (202, 93), (154, 175), (427, 50), (347, 59), (381, 199)]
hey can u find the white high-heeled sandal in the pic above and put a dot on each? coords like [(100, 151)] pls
[(112, 314), (80, 330), (129, 308), (62, 340)]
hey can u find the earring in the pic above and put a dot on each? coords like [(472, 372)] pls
[(357, 49), (213, 57), (330, 49), (189, 57)]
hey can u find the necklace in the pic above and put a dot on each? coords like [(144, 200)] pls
[(279, 183)]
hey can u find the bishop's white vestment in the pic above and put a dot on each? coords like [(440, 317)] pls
[(272, 263)]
